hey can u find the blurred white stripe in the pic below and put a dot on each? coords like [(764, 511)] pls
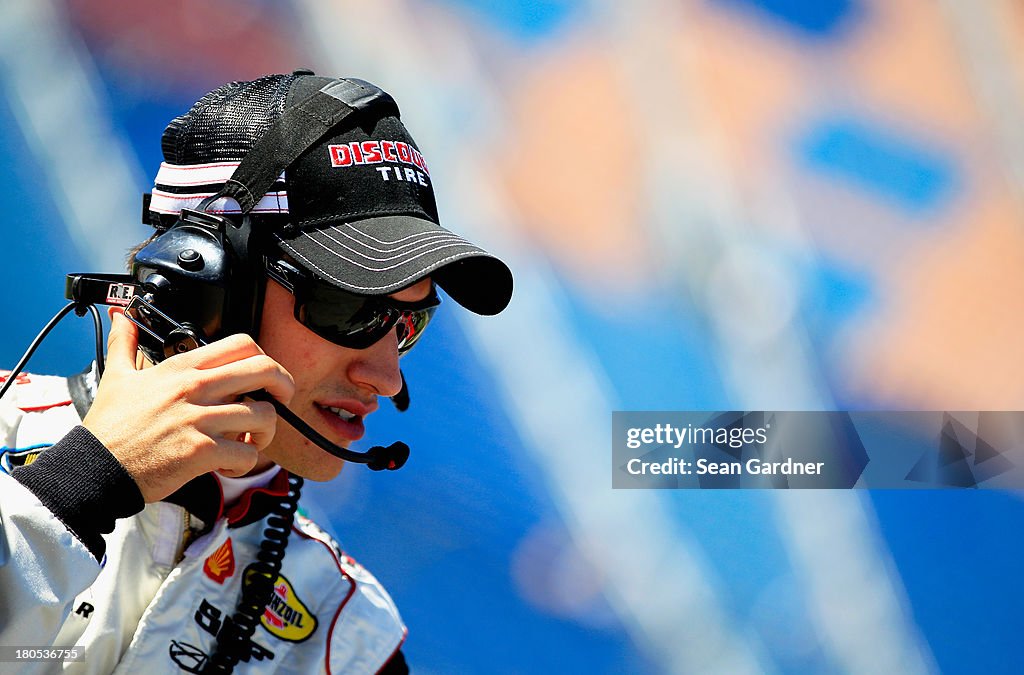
[(91, 174), (982, 31), (863, 614)]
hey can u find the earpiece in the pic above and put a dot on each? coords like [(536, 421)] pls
[(197, 272)]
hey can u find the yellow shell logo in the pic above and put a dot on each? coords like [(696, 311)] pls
[(286, 616), (221, 564)]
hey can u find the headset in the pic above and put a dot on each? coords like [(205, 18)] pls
[(203, 278), (194, 283)]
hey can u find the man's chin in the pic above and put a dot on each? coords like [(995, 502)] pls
[(322, 473), (317, 466), (302, 457)]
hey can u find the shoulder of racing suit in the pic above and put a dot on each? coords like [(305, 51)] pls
[(34, 414), (319, 586)]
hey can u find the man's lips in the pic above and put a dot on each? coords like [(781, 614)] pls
[(349, 405), (344, 418)]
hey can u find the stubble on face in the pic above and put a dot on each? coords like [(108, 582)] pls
[(323, 372), (314, 368)]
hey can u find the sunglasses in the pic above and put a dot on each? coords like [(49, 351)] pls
[(350, 320)]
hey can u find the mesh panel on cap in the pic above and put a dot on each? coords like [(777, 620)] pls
[(227, 122)]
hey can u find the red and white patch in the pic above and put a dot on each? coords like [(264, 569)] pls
[(120, 294), (23, 378), (38, 393), (376, 152), (221, 563), (281, 591)]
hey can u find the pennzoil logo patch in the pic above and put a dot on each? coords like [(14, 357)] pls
[(221, 563), (286, 616)]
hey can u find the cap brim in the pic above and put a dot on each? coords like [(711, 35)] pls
[(378, 256)]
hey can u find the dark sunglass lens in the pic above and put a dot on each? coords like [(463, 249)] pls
[(346, 319), (357, 321)]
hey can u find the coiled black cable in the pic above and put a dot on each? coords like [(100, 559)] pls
[(234, 638)]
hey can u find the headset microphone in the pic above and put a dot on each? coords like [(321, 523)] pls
[(377, 458)]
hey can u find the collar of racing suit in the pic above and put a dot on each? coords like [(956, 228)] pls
[(202, 497)]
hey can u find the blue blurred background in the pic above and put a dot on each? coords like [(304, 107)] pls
[(708, 204)]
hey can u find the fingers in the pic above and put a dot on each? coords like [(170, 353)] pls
[(122, 343), (240, 377), (257, 419), (233, 366), (189, 421), (232, 437), (227, 368), (226, 350), (234, 459)]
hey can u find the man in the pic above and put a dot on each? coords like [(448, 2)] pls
[(143, 516)]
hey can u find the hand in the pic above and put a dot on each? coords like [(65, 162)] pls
[(182, 418)]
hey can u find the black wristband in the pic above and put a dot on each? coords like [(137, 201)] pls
[(84, 485)]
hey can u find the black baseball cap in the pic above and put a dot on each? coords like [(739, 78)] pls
[(356, 210)]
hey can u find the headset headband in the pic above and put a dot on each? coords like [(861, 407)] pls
[(295, 131)]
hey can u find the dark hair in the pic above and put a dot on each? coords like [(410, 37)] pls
[(129, 259), (263, 222)]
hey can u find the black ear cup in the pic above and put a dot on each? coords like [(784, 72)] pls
[(199, 272)]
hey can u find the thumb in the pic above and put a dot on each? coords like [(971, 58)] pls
[(122, 343)]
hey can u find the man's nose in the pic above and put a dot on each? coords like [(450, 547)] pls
[(376, 367)]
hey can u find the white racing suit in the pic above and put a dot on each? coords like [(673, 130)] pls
[(151, 595)]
